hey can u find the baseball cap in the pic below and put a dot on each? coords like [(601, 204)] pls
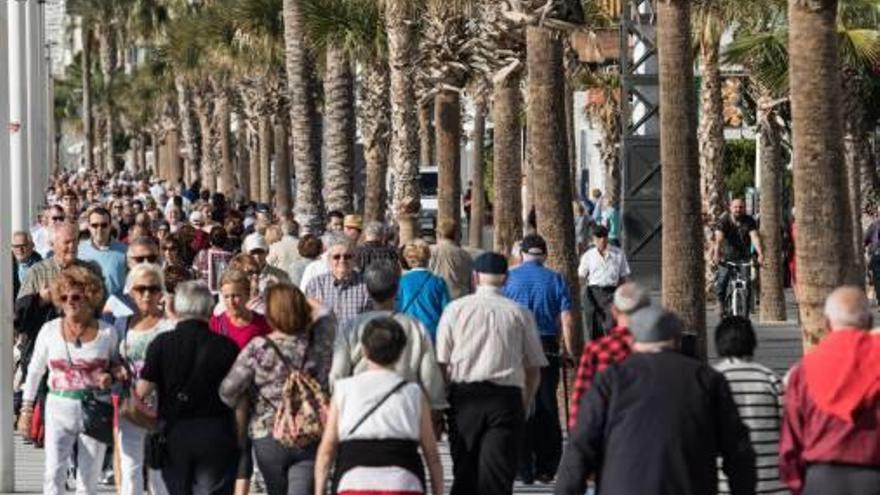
[(491, 263), (253, 242), (534, 244)]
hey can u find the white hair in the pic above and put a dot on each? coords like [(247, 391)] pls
[(142, 270), (848, 307), (335, 239), (193, 300)]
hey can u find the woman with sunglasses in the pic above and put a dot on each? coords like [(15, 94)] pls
[(79, 352), (146, 287)]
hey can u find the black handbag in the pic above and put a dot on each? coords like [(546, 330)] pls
[(97, 418)]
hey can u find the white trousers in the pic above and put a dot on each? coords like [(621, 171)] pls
[(64, 425), (131, 462)]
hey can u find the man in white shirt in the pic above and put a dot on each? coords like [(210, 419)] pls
[(602, 269)]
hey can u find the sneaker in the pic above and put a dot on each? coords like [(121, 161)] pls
[(108, 478)]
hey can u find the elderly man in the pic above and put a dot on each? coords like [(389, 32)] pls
[(612, 348), (489, 349), (142, 250), (547, 295), (41, 233), (256, 246), (343, 289), (103, 250), (603, 268), (830, 431), (23, 258), (352, 225), (451, 262), (417, 363), (374, 247), (185, 368), (657, 422)]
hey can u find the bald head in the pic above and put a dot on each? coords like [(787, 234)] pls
[(847, 307)]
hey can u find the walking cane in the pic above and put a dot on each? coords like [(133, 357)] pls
[(565, 392)]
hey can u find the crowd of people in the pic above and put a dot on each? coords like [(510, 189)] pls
[(188, 343)]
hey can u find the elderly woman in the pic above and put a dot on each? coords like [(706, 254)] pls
[(422, 294), (309, 248), (146, 287), (376, 424), (302, 336), (79, 352)]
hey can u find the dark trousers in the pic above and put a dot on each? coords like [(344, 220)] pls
[(543, 438), (485, 435), (722, 278), (202, 457), (874, 266), (597, 310), (286, 471), (841, 479)]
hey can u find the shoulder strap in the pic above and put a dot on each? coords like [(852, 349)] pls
[(376, 406), (270, 344), (182, 394), (417, 292)]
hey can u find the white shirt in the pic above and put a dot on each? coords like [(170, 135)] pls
[(316, 268), (40, 235), (604, 271), (398, 417)]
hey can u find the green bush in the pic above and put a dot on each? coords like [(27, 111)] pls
[(739, 166)]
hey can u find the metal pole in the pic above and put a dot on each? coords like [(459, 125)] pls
[(35, 104), (18, 123), (7, 445)]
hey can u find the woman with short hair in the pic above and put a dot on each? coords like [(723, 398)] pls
[(79, 352), (376, 424), (302, 338), (422, 294)]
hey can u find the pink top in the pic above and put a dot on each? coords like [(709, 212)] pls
[(241, 335)]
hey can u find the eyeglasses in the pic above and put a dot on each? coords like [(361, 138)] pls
[(71, 297), (346, 257), (20, 246), (103, 225), (142, 289), (149, 258), (57, 219)]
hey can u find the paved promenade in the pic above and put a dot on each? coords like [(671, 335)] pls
[(779, 347)]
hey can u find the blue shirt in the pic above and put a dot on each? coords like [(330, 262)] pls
[(542, 290), (112, 262), (422, 295)]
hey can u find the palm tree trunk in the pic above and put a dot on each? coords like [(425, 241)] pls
[(187, 128), (549, 152), (265, 138), (682, 246), (569, 132), (204, 108), (309, 204), (772, 271), (711, 139), (282, 166), (507, 163), (88, 125), (819, 183), (853, 154), (108, 67), (426, 135), (172, 145), (339, 131), (223, 119), (254, 160), (404, 133), (376, 130), (447, 119), (478, 207), (242, 161)]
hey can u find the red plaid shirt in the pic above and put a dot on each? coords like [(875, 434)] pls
[(597, 355)]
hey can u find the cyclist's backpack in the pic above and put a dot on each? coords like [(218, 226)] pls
[(300, 420)]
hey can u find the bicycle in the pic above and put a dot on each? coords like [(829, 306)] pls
[(739, 289)]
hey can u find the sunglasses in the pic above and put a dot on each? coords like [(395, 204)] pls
[(169, 248), (100, 225), (149, 259), (143, 289), (57, 219), (72, 298), (20, 246), (346, 257)]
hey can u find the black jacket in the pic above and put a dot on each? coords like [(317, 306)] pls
[(655, 424)]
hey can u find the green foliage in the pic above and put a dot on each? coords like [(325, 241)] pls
[(358, 26), (739, 165)]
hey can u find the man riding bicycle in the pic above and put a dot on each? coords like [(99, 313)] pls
[(735, 235)]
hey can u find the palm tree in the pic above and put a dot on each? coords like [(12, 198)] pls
[(819, 181), (339, 130), (682, 246), (603, 108), (308, 204), (478, 206), (547, 140)]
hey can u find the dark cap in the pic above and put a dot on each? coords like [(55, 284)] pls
[(534, 245), (600, 231), (491, 263), (654, 324), (262, 208)]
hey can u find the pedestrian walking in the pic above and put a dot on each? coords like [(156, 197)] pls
[(831, 424), (548, 296), (656, 423), (603, 268), (489, 349), (422, 294), (452, 262), (376, 425), (342, 290)]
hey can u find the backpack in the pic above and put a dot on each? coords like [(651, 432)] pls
[(300, 420)]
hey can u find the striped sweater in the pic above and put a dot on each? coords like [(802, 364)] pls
[(758, 394)]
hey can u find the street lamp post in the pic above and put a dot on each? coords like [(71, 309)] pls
[(18, 123)]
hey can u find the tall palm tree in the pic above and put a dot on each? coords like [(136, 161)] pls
[(299, 62), (478, 206), (819, 182), (682, 245), (547, 140), (604, 109), (339, 130)]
